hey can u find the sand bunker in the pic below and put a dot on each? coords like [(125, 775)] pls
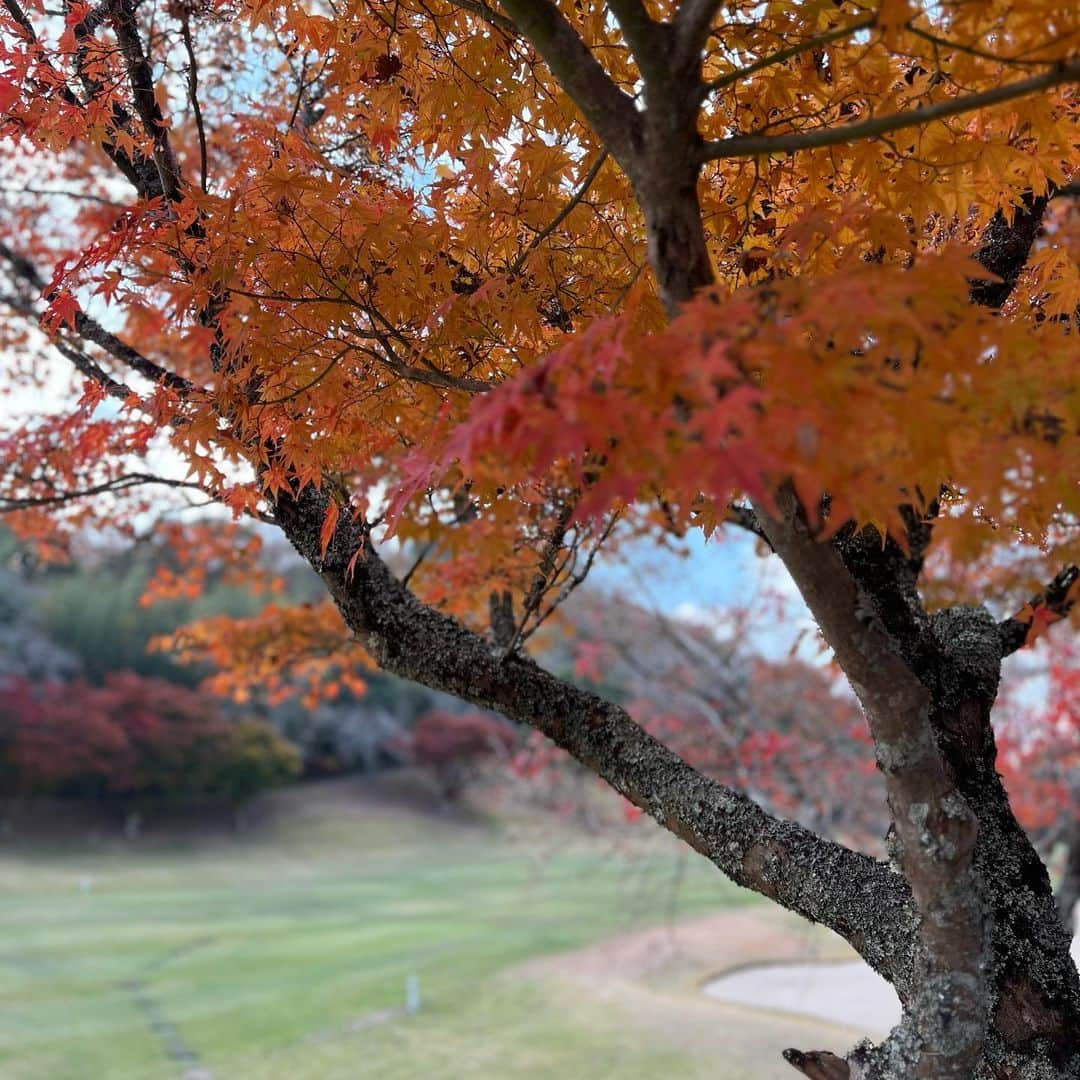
[(847, 993)]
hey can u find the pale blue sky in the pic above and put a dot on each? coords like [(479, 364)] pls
[(720, 572), (708, 582)]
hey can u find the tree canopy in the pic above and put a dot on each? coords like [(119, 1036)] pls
[(508, 283)]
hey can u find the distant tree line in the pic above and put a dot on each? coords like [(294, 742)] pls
[(136, 740), (88, 711)]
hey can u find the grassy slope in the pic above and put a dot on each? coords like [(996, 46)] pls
[(265, 953)]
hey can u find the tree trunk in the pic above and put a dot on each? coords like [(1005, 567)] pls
[(1033, 988), (993, 990)]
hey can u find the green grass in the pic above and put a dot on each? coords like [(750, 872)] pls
[(264, 954)]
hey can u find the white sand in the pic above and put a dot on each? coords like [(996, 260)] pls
[(847, 993)]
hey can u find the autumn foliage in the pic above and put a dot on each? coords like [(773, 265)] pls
[(452, 744), (420, 343), (132, 738), (463, 295)]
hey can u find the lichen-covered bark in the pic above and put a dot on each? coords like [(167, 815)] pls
[(935, 828), (858, 897), (1032, 983)]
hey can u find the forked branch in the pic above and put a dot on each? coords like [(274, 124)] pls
[(857, 896)]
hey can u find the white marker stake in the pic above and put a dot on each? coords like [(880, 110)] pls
[(412, 994)]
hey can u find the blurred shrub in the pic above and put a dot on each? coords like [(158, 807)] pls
[(452, 744), (343, 736), (255, 758), (25, 650), (132, 739)]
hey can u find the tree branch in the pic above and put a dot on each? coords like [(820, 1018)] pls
[(562, 215), (93, 371), (142, 87), (649, 41), (753, 145), (745, 518), (193, 94), (1056, 601), (858, 897), (489, 15), (9, 505), (608, 109), (818, 1064), (79, 196), (783, 55), (692, 22), (91, 330)]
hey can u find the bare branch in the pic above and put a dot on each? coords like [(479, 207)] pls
[(193, 94), (574, 581), (745, 518), (93, 371), (547, 569), (79, 196), (970, 49), (753, 145), (10, 505), (818, 1064)]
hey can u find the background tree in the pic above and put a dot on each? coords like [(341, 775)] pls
[(26, 649), (452, 744), (783, 731), (551, 276), (134, 740), (1040, 761)]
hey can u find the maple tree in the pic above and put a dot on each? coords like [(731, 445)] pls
[(1040, 761), (452, 744), (509, 282), (783, 731)]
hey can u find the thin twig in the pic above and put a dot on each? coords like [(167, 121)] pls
[(561, 216), (193, 93), (121, 483), (783, 55)]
